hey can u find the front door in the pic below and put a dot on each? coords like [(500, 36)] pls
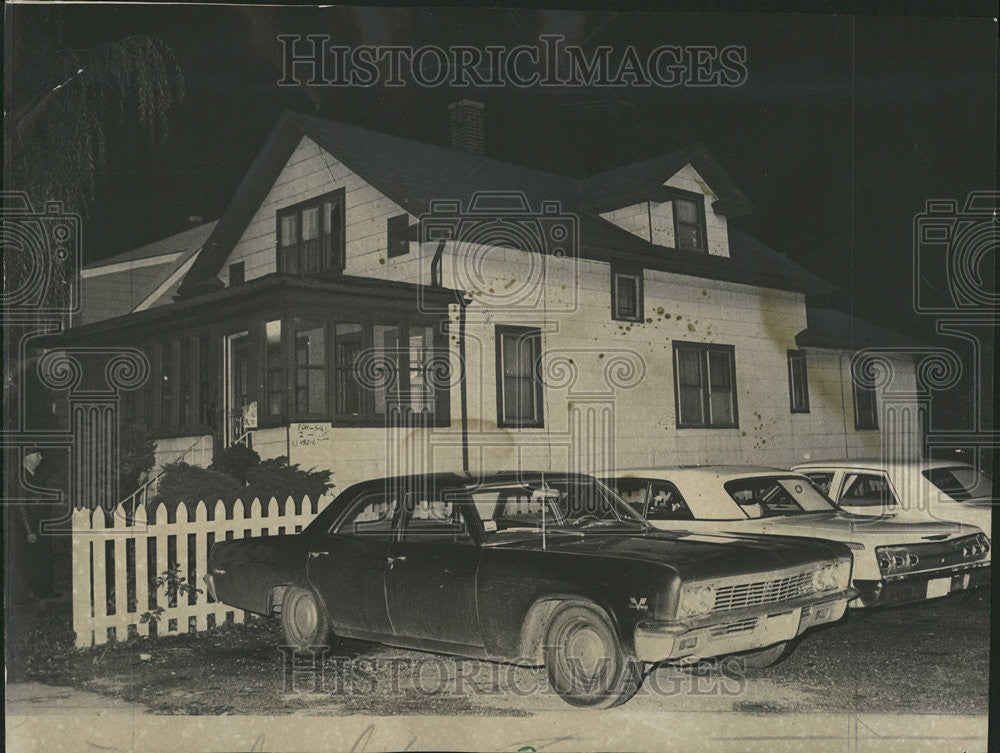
[(347, 565), (237, 386), (431, 574)]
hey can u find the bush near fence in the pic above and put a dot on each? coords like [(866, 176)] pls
[(117, 559)]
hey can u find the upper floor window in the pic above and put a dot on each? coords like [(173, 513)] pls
[(519, 385), (705, 386), (237, 273), (865, 407), (689, 223), (397, 230), (626, 296), (798, 382), (311, 235)]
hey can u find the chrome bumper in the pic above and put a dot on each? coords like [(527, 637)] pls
[(738, 630)]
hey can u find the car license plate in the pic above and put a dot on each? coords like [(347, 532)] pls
[(783, 627), (938, 587)]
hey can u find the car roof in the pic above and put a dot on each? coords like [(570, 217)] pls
[(696, 471), (881, 463)]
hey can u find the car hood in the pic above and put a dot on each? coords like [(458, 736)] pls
[(843, 526), (691, 555)]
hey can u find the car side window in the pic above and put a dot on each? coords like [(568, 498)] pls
[(821, 481), (666, 503), (373, 514), (868, 490), (433, 516), (632, 490)]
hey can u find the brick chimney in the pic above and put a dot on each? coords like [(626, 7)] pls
[(466, 126)]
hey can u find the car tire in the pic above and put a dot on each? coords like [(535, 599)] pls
[(303, 620), (768, 657), (585, 661)]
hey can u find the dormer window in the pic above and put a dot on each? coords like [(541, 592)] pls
[(311, 235), (689, 223)]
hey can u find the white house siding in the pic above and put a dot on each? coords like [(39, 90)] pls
[(827, 431), (310, 172), (574, 313)]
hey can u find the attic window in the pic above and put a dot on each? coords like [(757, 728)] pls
[(311, 235), (689, 223), (237, 273)]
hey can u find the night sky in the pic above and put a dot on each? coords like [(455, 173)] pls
[(846, 125)]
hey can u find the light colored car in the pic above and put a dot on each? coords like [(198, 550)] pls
[(894, 561), (918, 490)]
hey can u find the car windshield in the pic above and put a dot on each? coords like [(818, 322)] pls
[(773, 496), (558, 504), (960, 482)]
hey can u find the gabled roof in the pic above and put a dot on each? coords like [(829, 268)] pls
[(413, 174), (829, 328), (139, 278), (644, 180)]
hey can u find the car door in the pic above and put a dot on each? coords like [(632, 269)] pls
[(347, 565), (431, 573)]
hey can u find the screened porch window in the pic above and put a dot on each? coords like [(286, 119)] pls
[(310, 367)]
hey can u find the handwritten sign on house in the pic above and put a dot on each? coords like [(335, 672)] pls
[(309, 435)]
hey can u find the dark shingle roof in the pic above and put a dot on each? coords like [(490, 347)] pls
[(829, 328), (413, 174)]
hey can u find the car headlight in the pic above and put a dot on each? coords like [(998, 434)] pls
[(831, 577), (696, 600)]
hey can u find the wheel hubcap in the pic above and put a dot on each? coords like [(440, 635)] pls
[(304, 618)]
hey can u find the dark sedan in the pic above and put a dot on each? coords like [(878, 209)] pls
[(542, 568)]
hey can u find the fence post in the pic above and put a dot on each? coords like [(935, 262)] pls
[(82, 572)]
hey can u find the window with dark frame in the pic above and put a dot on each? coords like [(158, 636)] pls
[(705, 386), (166, 382), (311, 235), (865, 407), (205, 417), (397, 229), (798, 381), (237, 273), (626, 296), (274, 370), (185, 385), (349, 343), (404, 370), (689, 224), (310, 367), (518, 383)]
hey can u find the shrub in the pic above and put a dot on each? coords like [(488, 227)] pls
[(236, 461), (277, 478), (136, 459), (189, 483)]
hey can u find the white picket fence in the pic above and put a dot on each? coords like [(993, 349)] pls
[(115, 565)]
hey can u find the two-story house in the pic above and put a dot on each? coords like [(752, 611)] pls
[(376, 305)]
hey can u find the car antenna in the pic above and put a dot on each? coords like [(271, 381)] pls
[(544, 505)]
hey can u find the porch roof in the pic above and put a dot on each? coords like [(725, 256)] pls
[(829, 328), (341, 291)]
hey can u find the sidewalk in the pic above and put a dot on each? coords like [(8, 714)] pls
[(34, 698)]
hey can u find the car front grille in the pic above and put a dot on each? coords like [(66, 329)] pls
[(762, 591), (741, 626)]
